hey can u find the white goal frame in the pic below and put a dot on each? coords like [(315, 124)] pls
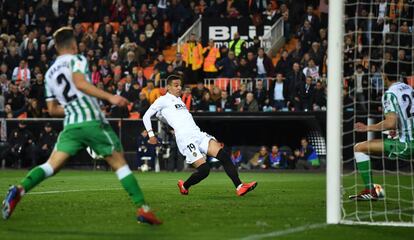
[(334, 121)]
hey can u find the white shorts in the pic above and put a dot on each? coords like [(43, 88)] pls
[(193, 146)]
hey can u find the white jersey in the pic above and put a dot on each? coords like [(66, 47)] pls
[(399, 99), (79, 107), (173, 111)]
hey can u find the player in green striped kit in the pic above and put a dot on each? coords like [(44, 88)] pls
[(69, 93), (397, 103)]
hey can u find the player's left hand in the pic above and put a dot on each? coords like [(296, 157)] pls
[(360, 127)]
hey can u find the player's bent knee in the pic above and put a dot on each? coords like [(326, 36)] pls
[(204, 170), (359, 147)]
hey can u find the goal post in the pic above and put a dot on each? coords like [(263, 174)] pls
[(334, 112), (365, 40)]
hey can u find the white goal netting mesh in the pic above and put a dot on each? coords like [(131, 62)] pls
[(377, 33)]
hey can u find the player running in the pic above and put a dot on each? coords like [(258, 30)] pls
[(69, 93), (191, 142), (397, 103)]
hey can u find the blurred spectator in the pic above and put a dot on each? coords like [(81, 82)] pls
[(179, 64), (141, 105), (210, 54), (225, 103), (283, 65), (252, 64), (304, 96), (192, 53), (404, 65), (276, 158), (312, 18), (261, 94), (264, 65), (187, 98), (161, 65), (33, 109), (206, 104), (236, 156), (311, 70), (377, 84), (228, 66), (145, 151), (319, 97), (21, 73), (316, 54), (254, 48), (279, 95), (260, 158), (215, 94), (307, 156), (240, 94), (151, 92), (140, 79), (16, 100), (21, 151), (170, 71), (238, 46), (294, 79), (47, 140), (198, 91), (2, 102), (306, 35), (249, 104), (96, 76), (176, 159), (359, 82)]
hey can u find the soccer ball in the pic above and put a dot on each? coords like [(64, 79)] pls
[(380, 191), (144, 168)]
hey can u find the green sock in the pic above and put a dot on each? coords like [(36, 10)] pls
[(34, 177), (130, 184), (364, 169)]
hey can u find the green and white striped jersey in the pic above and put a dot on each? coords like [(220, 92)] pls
[(399, 99), (79, 107)]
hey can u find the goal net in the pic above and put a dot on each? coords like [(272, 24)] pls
[(376, 34)]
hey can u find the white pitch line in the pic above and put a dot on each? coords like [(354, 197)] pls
[(74, 190), (285, 232)]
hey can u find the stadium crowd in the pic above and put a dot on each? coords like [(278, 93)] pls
[(124, 43)]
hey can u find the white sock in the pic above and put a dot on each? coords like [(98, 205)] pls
[(361, 157), (47, 168), (122, 172)]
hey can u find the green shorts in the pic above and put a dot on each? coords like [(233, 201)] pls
[(97, 135), (315, 162), (393, 148)]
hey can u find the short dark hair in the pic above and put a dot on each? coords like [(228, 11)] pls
[(64, 37), (174, 77)]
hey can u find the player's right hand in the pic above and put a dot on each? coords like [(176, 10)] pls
[(153, 140), (360, 127), (119, 101)]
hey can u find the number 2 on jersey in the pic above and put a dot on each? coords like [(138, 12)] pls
[(406, 98), (62, 79)]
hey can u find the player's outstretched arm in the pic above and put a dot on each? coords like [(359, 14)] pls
[(54, 109), (84, 86), (147, 122), (389, 123)]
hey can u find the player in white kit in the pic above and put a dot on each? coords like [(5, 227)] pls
[(191, 142)]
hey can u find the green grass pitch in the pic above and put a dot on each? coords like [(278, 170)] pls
[(92, 205)]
